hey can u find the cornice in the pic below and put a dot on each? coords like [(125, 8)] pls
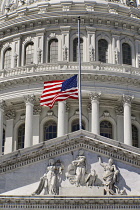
[(70, 142), (107, 20), (58, 202)]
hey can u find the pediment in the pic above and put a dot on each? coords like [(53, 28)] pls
[(21, 171)]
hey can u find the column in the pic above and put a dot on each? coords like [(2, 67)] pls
[(120, 125), (36, 116), (29, 100), (127, 119), (2, 106), (95, 126), (61, 118), (10, 116)]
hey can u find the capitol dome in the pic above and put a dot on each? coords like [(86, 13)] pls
[(39, 42)]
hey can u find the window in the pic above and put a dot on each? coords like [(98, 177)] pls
[(103, 50), (3, 141), (50, 130), (53, 51), (21, 134), (29, 53), (7, 58), (126, 53), (75, 49), (106, 129), (75, 125), (134, 136)]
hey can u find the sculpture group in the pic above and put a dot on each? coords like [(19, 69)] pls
[(78, 176)]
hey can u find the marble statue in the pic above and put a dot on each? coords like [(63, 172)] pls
[(49, 181), (77, 172), (91, 178), (109, 177)]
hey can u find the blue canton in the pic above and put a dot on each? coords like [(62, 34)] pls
[(69, 83)]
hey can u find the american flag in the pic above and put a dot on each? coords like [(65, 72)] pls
[(59, 90)]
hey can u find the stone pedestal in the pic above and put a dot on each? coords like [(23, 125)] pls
[(81, 191)]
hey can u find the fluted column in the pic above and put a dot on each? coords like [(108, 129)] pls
[(29, 100), (61, 118), (127, 119), (10, 116), (36, 116), (95, 127), (2, 106)]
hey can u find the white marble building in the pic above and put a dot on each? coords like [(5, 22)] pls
[(38, 42)]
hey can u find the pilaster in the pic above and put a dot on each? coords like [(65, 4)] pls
[(39, 47), (91, 43), (120, 123), (115, 49), (65, 42)]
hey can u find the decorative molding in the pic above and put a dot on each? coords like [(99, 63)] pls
[(119, 110), (75, 141), (2, 105), (10, 114), (106, 114), (37, 110)]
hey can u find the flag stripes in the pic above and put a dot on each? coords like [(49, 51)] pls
[(53, 91)]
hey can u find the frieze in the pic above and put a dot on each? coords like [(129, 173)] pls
[(39, 202), (97, 144)]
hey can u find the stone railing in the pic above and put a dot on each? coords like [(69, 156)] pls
[(67, 67)]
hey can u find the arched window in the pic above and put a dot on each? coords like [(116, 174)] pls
[(53, 51), (29, 53), (126, 53), (75, 49), (75, 125), (50, 130), (106, 129), (134, 136), (103, 50), (21, 134), (3, 141), (7, 58)]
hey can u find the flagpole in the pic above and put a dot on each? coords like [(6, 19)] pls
[(79, 77)]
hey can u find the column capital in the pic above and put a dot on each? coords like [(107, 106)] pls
[(2, 105), (10, 114), (29, 99), (94, 96), (127, 99)]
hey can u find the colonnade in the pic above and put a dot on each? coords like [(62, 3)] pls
[(95, 122)]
